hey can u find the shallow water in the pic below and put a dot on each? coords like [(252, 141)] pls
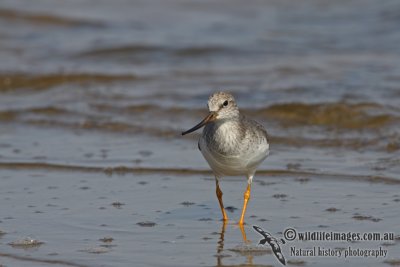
[(90, 218), (94, 96)]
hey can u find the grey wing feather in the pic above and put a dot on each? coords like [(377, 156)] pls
[(249, 123)]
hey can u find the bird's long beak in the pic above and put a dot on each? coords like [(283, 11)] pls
[(211, 117)]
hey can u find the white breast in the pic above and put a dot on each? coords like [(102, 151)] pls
[(244, 163)]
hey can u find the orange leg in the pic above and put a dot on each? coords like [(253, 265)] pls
[(221, 204), (246, 200)]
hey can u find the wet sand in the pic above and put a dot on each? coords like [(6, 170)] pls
[(89, 218)]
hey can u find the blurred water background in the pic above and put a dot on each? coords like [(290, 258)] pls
[(322, 76)]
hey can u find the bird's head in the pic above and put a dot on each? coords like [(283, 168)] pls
[(222, 106)]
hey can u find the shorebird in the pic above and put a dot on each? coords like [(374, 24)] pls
[(231, 144)]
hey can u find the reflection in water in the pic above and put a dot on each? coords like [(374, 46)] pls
[(220, 246), (241, 226), (245, 250)]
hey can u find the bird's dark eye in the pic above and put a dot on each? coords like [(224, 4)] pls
[(225, 103)]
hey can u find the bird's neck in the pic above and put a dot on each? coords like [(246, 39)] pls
[(226, 133)]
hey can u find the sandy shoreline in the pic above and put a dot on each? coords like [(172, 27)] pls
[(72, 212)]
